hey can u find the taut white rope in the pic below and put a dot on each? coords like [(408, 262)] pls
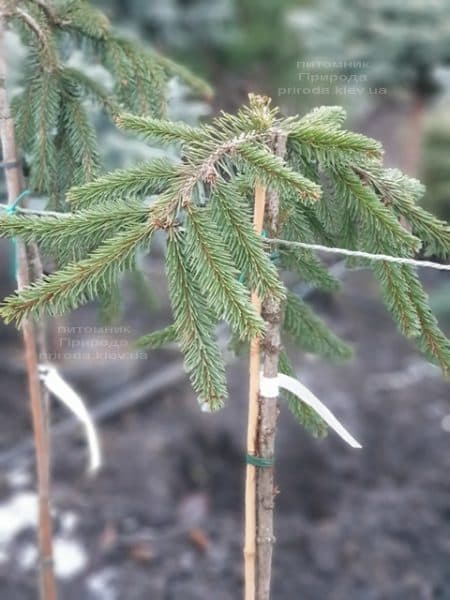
[(61, 389), (269, 388), (378, 257)]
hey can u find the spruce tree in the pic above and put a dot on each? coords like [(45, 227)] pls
[(333, 190), (48, 137), (320, 183)]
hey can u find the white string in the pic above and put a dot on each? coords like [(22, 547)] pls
[(401, 260), (378, 257), (60, 388), (269, 388), (38, 213)]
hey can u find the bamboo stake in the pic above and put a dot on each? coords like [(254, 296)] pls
[(252, 428), (29, 268)]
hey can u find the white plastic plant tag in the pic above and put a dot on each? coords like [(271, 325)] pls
[(61, 389), (269, 387)]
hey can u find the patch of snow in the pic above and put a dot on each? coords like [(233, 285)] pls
[(17, 514), (70, 558), (20, 512), (101, 585), (69, 521)]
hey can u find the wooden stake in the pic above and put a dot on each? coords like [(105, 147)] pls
[(252, 429), (29, 269)]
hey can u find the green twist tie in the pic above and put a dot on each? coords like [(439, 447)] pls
[(11, 209), (259, 461), (275, 255)]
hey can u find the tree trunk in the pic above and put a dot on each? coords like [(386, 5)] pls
[(262, 418), (29, 269), (268, 413)]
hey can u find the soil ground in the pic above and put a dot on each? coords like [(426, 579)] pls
[(163, 521)]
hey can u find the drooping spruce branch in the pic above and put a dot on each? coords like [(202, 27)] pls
[(53, 111), (53, 121), (332, 189)]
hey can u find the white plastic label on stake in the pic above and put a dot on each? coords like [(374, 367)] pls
[(61, 389), (269, 388)]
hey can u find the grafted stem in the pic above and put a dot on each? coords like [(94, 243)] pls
[(268, 412), (262, 417)]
